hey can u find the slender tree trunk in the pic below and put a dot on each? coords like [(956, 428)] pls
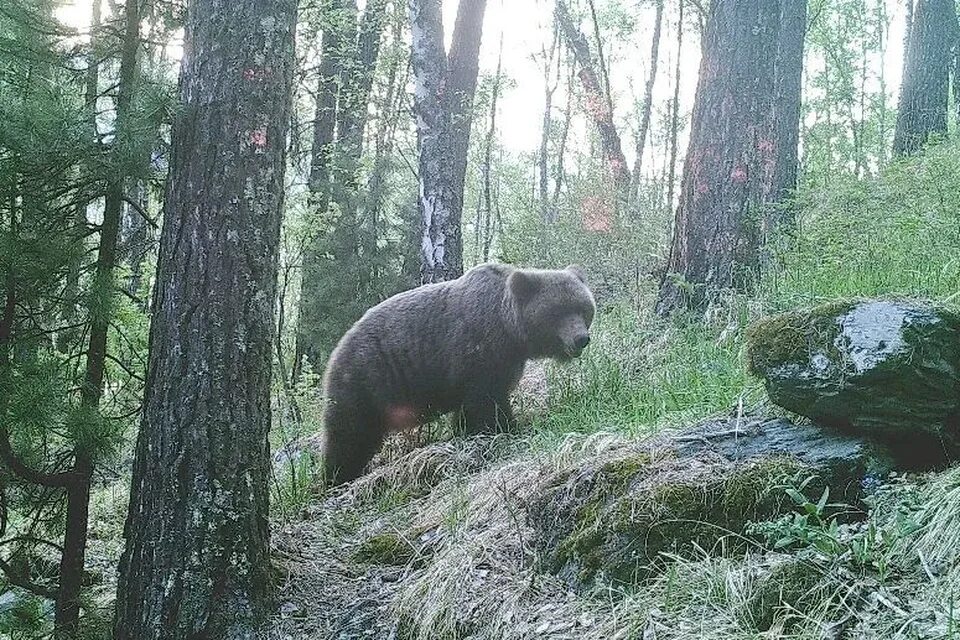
[(312, 311), (542, 156), (647, 103), (196, 562), (922, 113), (90, 94), (742, 154), (443, 96), (488, 156), (67, 610), (781, 179), (136, 239), (352, 103), (675, 112), (559, 171), (389, 116), (597, 104)]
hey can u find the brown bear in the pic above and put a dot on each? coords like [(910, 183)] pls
[(453, 346)]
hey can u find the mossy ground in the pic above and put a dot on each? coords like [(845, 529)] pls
[(635, 513)]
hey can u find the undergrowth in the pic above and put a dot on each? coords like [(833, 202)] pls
[(457, 513)]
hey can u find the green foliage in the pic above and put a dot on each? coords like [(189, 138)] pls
[(863, 542), (57, 157), (643, 371), (849, 118), (22, 616), (895, 234)]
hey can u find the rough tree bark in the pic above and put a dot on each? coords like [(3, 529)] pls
[(597, 105), (196, 561), (444, 86), (922, 111), (743, 153)]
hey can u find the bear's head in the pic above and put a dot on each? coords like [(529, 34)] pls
[(555, 309)]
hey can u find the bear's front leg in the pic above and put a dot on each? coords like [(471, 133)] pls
[(486, 415)]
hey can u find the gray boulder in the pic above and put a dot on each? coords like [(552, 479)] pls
[(887, 369)]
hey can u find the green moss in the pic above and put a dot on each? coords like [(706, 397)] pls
[(385, 548), (623, 533), (620, 473), (583, 546), (792, 336)]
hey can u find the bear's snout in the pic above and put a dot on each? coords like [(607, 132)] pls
[(581, 342)]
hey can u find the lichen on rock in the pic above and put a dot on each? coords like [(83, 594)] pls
[(887, 369)]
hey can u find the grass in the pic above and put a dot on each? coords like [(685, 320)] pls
[(641, 373), (459, 512)]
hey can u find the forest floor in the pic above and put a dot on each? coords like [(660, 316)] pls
[(392, 557), (443, 541)]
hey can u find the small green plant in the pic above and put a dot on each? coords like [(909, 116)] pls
[(296, 482), (810, 526), (816, 529)]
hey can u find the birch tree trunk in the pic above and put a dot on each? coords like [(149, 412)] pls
[(743, 148), (444, 87), (922, 111), (196, 561)]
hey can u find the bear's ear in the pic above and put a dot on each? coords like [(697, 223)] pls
[(523, 284), (578, 271)]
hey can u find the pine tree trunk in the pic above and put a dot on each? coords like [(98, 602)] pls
[(196, 561), (442, 101), (922, 111), (743, 148), (72, 558), (136, 238)]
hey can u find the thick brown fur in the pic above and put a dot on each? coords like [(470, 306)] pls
[(454, 346)]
